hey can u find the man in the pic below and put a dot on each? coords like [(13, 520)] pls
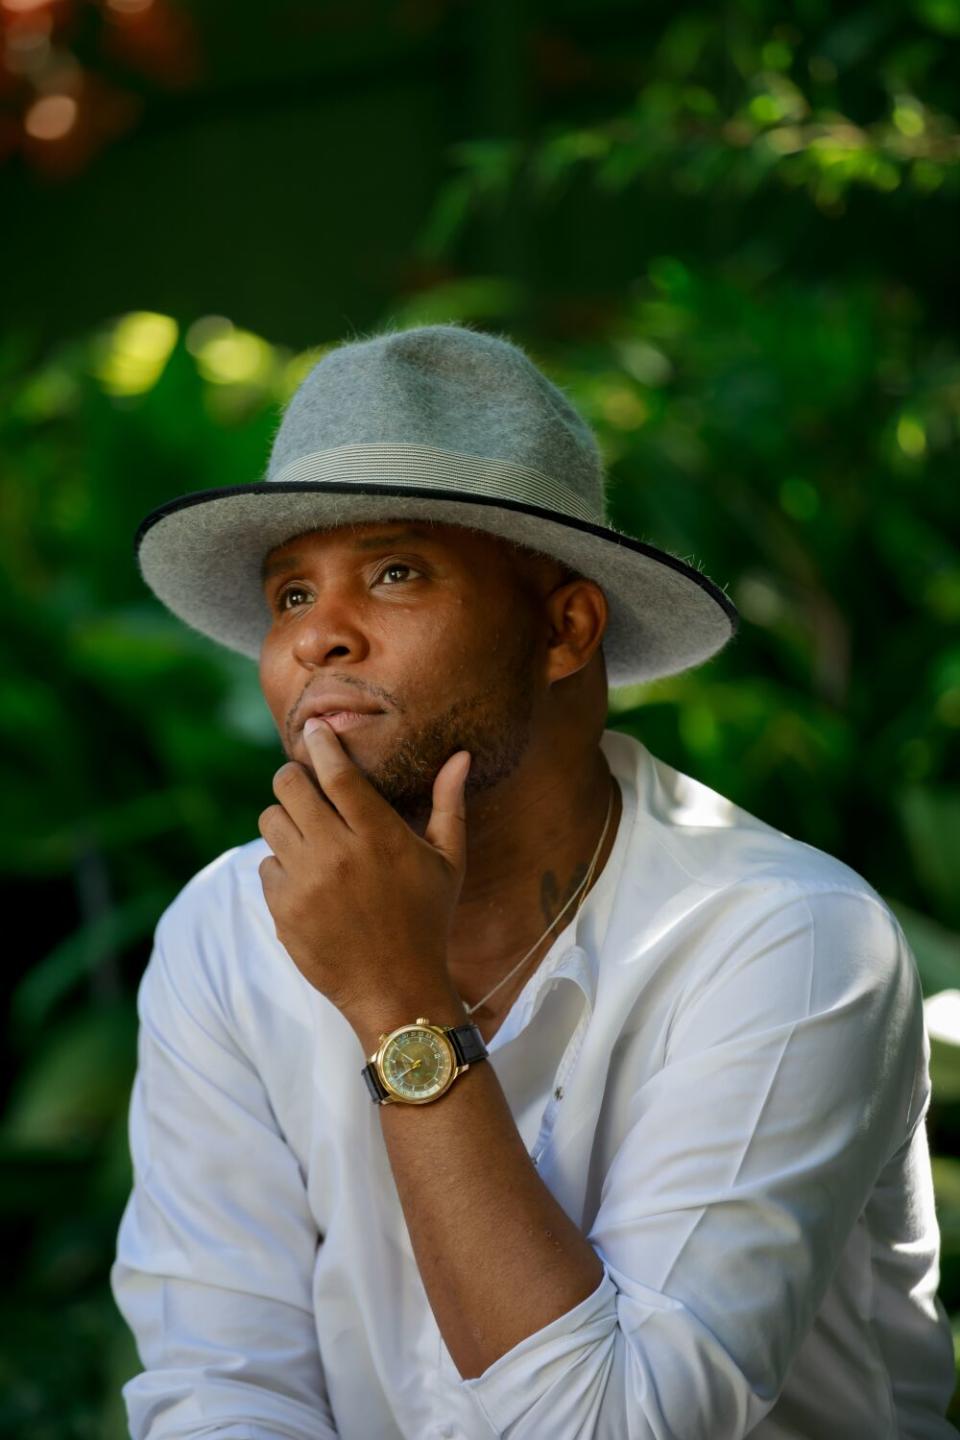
[(646, 1155)]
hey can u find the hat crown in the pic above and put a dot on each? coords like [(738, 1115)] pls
[(447, 388)]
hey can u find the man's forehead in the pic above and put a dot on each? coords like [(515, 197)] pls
[(374, 535), (361, 534), (368, 527)]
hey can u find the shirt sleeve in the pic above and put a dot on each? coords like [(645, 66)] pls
[(216, 1247), (794, 1068)]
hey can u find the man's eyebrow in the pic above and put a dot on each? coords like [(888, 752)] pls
[(363, 542)]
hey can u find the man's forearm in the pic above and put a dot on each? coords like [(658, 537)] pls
[(499, 1258)]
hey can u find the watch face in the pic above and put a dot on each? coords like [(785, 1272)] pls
[(416, 1064)]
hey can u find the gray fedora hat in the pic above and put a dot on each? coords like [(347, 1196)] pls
[(439, 422)]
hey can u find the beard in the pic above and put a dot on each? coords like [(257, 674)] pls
[(493, 722)]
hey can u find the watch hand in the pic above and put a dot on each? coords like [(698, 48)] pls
[(409, 1067)]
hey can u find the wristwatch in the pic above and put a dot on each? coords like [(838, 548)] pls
[(418, 1063)]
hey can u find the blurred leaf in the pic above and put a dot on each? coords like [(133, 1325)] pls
[(946, 1181), (446, 218), (944, 1073), (132, 647), (35, 1176), (43, 847), (474, 298), (74, 960), (78, 1079), (931, 822), (936, 949)]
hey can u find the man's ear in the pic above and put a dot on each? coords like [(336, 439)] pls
[(577, 614)]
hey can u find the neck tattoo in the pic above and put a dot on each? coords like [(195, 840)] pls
[(581, 890)]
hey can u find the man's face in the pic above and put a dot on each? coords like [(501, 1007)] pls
[(445, 632)]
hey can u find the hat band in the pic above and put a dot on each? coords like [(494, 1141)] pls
[(428, 465)]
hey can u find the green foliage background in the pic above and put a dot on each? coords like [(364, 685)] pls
[(776, 389)]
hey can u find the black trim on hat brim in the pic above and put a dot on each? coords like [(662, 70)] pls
[(298, 487)]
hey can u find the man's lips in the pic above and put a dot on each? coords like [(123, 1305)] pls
[(341, 720), (342, 708)]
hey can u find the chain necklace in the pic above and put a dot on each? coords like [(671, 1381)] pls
[(582, 886)]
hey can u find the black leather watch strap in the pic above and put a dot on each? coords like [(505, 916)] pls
[(468, 1044), (375, 1085)]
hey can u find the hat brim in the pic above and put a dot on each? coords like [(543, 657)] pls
[(201, 555)]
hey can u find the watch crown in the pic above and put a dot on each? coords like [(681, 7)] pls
[(421, 1020), (381, 1037)]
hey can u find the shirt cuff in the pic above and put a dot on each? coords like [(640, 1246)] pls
[(510, 1387)]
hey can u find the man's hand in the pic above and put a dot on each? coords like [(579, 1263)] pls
[(361, 903)]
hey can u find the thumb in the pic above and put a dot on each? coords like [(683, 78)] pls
[(447, 828)]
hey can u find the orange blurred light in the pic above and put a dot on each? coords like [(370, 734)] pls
[(34, 22), (51, 117), (160, 42), (23, 7)]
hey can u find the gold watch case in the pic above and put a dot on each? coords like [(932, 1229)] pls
[(422, 1051)]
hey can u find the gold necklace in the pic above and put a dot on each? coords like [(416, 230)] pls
[(582, 886)]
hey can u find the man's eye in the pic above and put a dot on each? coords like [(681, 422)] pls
[(397, 565), (289, 590)]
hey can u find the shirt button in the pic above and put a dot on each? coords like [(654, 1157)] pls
[(558, 1093)]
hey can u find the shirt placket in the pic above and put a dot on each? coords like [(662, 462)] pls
[(574, 970)]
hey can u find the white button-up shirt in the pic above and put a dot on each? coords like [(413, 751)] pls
[(720, 1069)]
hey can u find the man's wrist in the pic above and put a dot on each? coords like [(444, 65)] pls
[(440, 1004)]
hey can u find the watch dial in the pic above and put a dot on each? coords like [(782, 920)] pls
[(416, 1063)]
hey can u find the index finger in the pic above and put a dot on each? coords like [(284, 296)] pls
[(342, 782)]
